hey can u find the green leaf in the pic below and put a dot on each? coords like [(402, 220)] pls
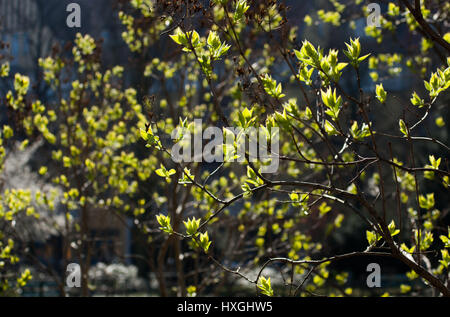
[(324, 208), (416, 101), (164, 222), (427, 202), (353, 51), (192, 226), (392, 229), (143, 134), (440, 122), (405, 288), (403, 128), (445, 258), (160, 172), (163, 172), (371, 237), (381, 93), (330, 129), (265, 286), (204, 241), (241, 8)]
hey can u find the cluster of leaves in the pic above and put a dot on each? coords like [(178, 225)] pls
[(90, 129), (13, 202)]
